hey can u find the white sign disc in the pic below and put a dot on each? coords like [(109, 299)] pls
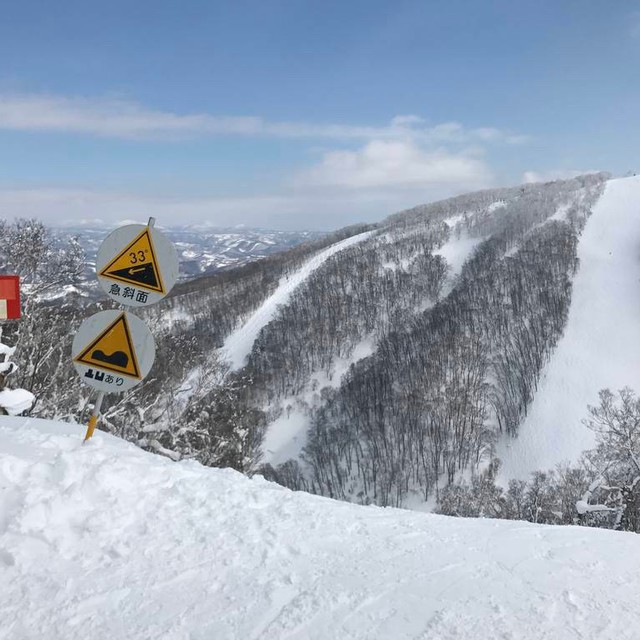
[(113, 351), (137, 265)]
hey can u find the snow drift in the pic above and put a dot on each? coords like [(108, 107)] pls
[(107, 541)]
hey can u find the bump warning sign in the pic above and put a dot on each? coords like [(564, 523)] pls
[(112, 350)]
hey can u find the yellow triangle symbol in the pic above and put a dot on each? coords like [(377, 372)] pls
[(112, 350), (136, 264)]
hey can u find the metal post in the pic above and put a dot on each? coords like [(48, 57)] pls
[(151, 222), (93, 420)]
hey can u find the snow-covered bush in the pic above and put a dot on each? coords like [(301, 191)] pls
[(603, 490), (613, 498), (12, 401)]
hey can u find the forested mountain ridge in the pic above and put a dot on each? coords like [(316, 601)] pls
[(394, 367), (457, 355), (392, 359)]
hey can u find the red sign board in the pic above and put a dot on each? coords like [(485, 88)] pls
[(9, 297)]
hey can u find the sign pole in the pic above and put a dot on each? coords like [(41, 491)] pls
[(113, 351), (93, 420)]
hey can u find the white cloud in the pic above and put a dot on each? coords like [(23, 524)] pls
[(384, 169), (406, 121), (554, 174), (395, 164), (115, 117), (363, 185), (110, 117)]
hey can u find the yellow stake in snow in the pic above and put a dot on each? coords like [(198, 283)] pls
[(93, 420)]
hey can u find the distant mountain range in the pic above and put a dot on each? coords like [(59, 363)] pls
[(202, 250)]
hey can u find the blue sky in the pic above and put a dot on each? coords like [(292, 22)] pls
[(297, 114)]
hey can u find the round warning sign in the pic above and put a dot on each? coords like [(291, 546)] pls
[(113, 351), (137, 265)]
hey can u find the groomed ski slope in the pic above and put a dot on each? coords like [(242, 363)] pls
[(105, 541), (238, 344), (601, 343)]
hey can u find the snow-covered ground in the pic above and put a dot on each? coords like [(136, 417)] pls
[(286, 436), (456, 252), (105, 541), (238, 344), (600, 346)]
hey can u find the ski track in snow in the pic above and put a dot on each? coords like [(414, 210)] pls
[(239, 343), (108, 542), (600, 346)]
